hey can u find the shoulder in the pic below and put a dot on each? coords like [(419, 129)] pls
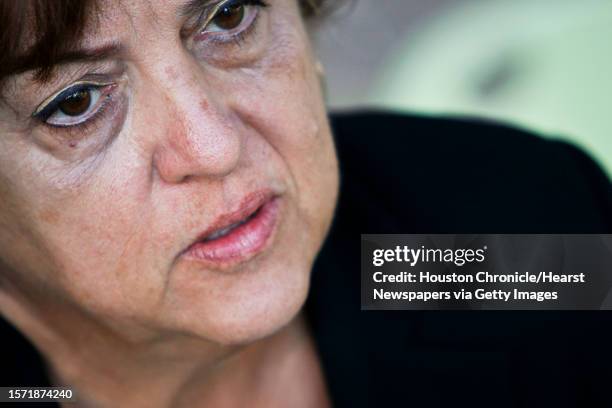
[(411, 174), (460, 175)]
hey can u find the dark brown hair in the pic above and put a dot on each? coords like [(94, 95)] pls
[(54, 26)]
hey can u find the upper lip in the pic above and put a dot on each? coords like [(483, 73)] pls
[(249, 204)]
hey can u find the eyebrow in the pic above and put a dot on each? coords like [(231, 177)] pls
[(105, 51)]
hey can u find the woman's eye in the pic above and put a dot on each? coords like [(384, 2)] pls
[(77, 103), (228, 17), (233, 15), (74, 105)]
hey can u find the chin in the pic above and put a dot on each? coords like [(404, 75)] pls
[(238, 309), (251, 322)]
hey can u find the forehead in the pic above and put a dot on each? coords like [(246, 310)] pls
[(39, 35), (136, 26), (139, 22), (36, 34)]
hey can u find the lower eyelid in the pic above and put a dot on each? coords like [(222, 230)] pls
[(106, 116), (90, 138)]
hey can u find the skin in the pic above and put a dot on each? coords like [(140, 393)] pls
[(94, 220)]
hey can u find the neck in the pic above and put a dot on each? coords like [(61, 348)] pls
[(280, 370)]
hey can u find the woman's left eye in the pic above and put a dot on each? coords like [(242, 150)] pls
[(232, 16), (74, 105)]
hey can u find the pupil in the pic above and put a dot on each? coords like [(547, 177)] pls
[(229, 17), (76, 104)]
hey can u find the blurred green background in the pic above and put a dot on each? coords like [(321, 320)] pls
[(543, 64)]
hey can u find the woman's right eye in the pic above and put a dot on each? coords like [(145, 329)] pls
[(75, 105), (231, 19)]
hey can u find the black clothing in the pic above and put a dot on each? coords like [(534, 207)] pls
[(409, 174), (422, 175)]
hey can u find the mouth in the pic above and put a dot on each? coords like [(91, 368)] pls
[(240, 235)]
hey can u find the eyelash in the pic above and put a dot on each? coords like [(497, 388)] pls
[(53, 106)]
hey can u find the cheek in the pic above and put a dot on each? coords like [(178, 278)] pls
[(291, 116), (94, 233)]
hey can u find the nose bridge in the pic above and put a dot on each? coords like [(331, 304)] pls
[(200, 137)]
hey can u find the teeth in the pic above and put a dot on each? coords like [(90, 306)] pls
[(222, 232)]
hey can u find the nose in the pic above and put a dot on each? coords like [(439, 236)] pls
[(201, 137)]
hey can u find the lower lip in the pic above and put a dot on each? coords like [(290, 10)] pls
[(242, 242)]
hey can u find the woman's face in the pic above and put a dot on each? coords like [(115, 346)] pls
[(179, 180)]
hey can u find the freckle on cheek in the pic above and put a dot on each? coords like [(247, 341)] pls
[(177, 131), (204, 104), (49, 216), (171, 72)]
